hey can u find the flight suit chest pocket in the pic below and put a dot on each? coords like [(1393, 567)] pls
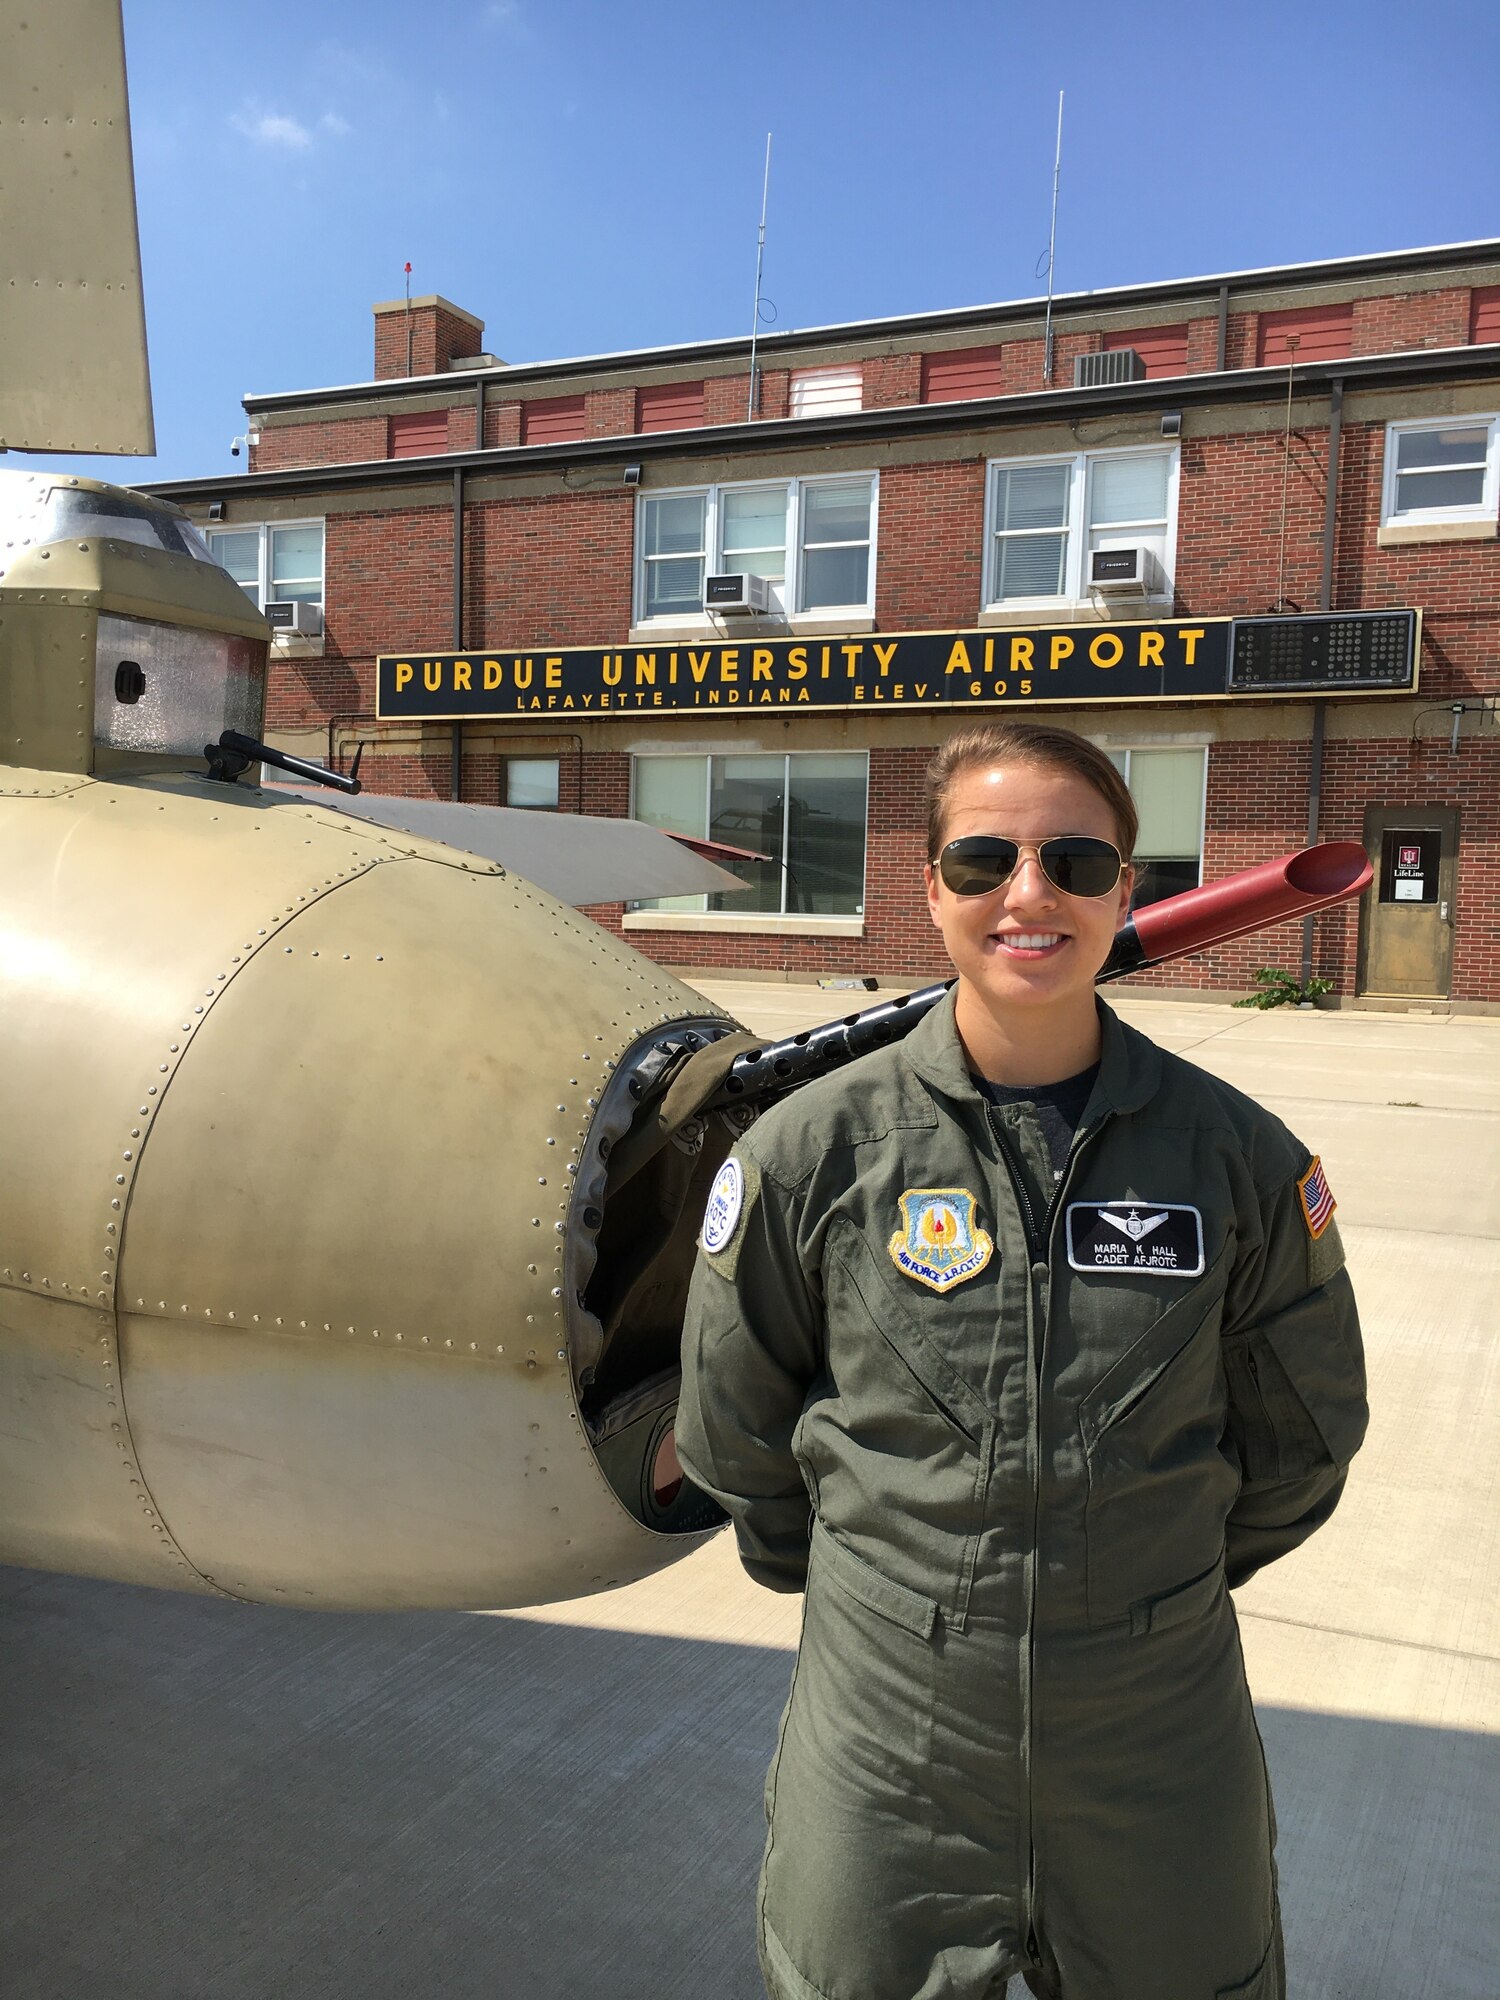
[(1159, 1485), (940, 1343), (900, 1449)]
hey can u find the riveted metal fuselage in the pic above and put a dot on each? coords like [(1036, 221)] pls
[(297, 1108)]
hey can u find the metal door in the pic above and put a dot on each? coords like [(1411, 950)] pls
[(1406, 925)]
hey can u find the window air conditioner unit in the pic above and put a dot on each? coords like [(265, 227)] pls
[(1098, 371), (291, 615), (1123, 573), (738, 596)]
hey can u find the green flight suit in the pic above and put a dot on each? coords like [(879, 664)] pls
[(1019, 1736)]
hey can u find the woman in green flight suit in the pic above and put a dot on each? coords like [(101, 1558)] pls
[(1016, 1345)]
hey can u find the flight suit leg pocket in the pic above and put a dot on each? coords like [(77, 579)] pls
[(862, 1580), (768, 1792), (1267, 1982), (1178, 1607), (853, 1815)]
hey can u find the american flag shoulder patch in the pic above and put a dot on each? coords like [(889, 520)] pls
[(1317, 1199)]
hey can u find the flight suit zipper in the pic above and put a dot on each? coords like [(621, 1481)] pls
[(1038, 1245)]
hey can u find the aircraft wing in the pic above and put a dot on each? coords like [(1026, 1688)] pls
[(72, 324), (574, 856)]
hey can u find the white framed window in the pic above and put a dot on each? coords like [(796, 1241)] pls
[(275, 560), (813, 540), (805, 810), (753, 533), (532, 783), (1170, 787), (835, 543), (1044, 517), (671, 543), (826, 392), (1441, 470)]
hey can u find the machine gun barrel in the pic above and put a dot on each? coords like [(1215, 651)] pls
[(235, 752), (1274, 892)]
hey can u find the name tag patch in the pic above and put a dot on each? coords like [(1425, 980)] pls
[(1154, 1238)]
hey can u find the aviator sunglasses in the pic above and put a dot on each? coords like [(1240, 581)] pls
[(1076, 863)]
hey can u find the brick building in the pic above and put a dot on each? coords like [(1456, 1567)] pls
[(1134, 521)]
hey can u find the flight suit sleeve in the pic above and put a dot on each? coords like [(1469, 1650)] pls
[(752, 1347), (1294, 1364)]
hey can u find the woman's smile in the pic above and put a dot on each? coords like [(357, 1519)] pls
[(1029, 944)]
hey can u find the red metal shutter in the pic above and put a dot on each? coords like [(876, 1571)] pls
[(669, 406), (423, 432), (552, 420), (1484, 315), (1322, 333), (962, 375), (1162, 348)]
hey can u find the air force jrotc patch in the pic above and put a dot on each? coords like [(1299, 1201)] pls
[(1156, 1238), (725, 1200), (938, 1242)]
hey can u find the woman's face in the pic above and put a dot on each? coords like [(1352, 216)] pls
[(1026, 943)]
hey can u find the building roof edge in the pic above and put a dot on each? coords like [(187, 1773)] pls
[(943, 317), (1245, 385)]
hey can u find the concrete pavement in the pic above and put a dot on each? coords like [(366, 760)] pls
[(209, 1802)]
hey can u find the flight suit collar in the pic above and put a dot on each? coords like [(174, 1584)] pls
[(1129, 1063)]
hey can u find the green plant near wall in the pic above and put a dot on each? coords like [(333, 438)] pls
[(1283, 989)]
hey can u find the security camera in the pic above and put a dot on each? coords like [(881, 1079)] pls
[(234, 451), (235, 443)]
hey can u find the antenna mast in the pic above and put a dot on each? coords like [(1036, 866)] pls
[(1052, 249), (760, 254)]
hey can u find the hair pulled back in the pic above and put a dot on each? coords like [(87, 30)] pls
[(980, 745)]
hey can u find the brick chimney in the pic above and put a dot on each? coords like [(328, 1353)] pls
[(437, 329)]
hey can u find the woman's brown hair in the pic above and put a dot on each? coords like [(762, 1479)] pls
[(979, 745)]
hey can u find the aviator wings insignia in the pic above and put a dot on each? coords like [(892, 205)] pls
[(1134, 1225)]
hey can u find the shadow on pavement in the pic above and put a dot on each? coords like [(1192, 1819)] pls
[(214, 1803)]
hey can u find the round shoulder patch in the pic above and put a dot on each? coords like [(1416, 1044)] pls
[(725, 1200)]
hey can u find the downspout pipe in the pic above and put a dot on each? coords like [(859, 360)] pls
[(456, 753), (1222, 350), (1331, 499), (1325, 603), (1314, 806)]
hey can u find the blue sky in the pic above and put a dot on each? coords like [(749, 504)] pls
[(585, 175)]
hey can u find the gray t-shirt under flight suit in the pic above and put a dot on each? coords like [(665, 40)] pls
[(1038, 1122)]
